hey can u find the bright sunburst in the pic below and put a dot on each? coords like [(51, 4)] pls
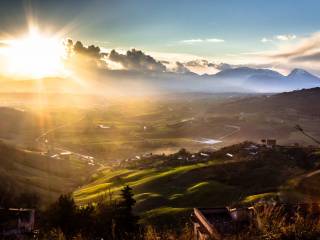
[(35, 55)]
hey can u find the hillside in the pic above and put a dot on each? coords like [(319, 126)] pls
[(299, 101), (221, 180), (32, 172), (17, 125)]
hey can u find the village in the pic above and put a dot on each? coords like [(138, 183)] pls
[(236, 152)]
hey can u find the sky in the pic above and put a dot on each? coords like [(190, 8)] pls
[(232, 31)]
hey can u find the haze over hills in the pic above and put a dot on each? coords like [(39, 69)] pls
[(242, 79), (299, 101)]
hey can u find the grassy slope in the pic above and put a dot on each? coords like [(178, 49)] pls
[(33, 172), (177, 189)]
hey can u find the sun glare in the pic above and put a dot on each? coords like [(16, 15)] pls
[(35, 55)]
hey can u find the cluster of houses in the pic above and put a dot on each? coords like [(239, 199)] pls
[(183, 157), (66, 155)]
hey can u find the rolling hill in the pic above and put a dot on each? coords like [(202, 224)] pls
[(299, 102), (220, 181), (32, 172)]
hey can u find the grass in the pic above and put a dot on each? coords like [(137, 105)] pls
[(28, 171), (263, 196), (197, 186), (176, 188), (115, 180), (218, 182)]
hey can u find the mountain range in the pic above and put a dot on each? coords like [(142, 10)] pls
[(241, 79), (265, 80)]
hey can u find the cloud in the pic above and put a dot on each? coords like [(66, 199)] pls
[(314, 57), (286, 37), (306, 47), (197, 63), (81, 56), (199, 40), (221, 66), (265, 40), (90, 51), (206, 63), (78, 48), (137, 60), (304, 53), (215, 40), (191, 41), (180, 68)]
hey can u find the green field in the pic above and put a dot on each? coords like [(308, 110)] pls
[(218, 182)]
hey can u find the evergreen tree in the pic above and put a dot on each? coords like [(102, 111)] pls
[(127, 199), (126, 222), (63, 216)]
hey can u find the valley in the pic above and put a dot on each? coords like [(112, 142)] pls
[(96, 147)]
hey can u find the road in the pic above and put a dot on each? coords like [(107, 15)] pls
[(236, 130), (56, 128), (87, 158)]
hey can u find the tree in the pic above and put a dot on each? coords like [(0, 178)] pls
[(127, 199), (63, 215), (126, 221)]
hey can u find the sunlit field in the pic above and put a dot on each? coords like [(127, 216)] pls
[(141, 120)]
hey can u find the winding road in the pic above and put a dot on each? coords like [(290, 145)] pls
[(60, 149)]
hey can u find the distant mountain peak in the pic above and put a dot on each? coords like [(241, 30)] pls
[(298, 72)]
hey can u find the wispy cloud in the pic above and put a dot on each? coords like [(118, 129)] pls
[(215, 40), (286, 37), (200, 40), (306, 46), (265, 40)]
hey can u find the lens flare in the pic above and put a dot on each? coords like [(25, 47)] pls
[(35, 55)]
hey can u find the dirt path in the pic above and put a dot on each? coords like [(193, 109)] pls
[(236, 130)]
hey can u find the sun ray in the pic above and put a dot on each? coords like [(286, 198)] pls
[(35, 55)]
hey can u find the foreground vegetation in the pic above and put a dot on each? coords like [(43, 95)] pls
[(114, 219)]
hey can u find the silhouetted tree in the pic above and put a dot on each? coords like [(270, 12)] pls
[(127, 222), (127, 199), (63, 215), (108, 220), (86, 221)]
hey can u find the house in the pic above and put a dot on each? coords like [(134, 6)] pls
[(271, 143), (217, 223), (16, 222)]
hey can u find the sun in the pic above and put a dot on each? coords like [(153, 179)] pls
[(35, 55)]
